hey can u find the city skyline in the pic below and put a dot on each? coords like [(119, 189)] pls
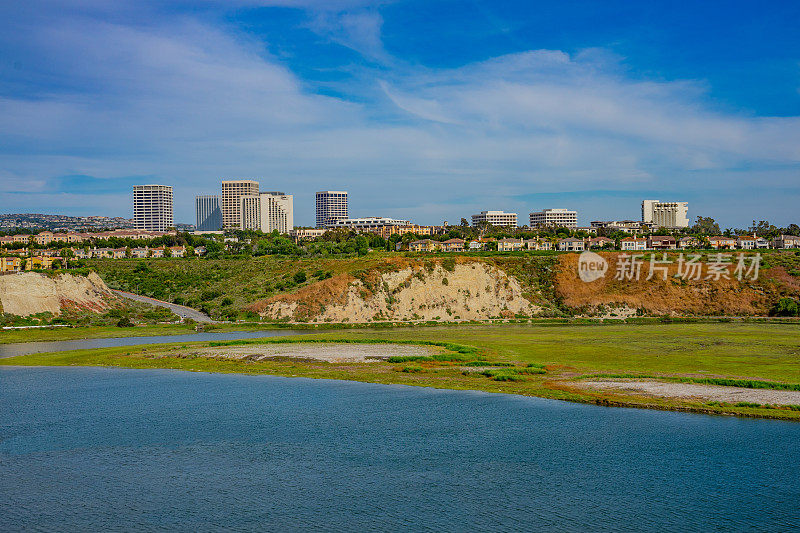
[(510, 107)]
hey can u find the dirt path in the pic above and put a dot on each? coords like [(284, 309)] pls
[(180, 310), (691, 391)]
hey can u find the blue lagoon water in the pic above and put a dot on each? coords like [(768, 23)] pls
[(111, 449)]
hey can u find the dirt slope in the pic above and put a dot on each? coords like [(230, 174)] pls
[(466, 289), (29, 293), (673, 295)]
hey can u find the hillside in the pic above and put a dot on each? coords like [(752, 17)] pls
[(382, 286), (31, 293)]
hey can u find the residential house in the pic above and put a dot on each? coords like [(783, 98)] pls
[(661, 242), (452, 245), (746, 242), (44, 238), (509, 245), (786, 241), (10, 264), (633, 244), (139, 253), (688, 242), (601, 242), (570, 245), (424, 245), (177, 251), (538, 244), (41, 262), (722, 243)]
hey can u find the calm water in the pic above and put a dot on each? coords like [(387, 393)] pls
[(112, 449), (26, 348)]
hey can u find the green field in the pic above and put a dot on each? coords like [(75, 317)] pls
[(768, 355)]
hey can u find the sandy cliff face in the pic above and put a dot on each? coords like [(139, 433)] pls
[(468, 290), (29, 293)]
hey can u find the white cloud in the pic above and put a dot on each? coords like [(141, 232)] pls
[(189, 102)]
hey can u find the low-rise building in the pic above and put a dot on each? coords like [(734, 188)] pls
[(633, 244), (424, 245), (495, 218), (719, 242), (10, 264), (601, 242), (538, 244), (571, 245), (746, 242), (563, 218), (509, 245), (685, 243), (452, 245), (786, 241), (661, 242)]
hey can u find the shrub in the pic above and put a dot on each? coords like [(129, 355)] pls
[(412, 369), (785, 307), (300, 276), (125, 322)]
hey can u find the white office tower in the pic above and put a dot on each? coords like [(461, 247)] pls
[(232, 192), (559, 218), (495, 218), (666, 214), (267, 212), (208, 213), (152, 207), (331, 206)]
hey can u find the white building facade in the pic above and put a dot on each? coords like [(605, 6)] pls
[(152, 207), (331, 206), (665, 214), (554, 217), (268, 212), (495, 218), (232, 192), (367, 223)]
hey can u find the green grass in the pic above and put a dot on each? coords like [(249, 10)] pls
[(92, 332), (731, 354)]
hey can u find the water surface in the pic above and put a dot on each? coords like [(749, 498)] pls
[(27, 348), (114, 449)]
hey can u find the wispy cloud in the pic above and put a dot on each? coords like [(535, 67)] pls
[(188, 99)]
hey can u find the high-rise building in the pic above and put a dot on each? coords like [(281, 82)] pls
[(268, 211), (666, 214), (232, 192), (208, 213), (495, 218), (152, 207), (554, 217), (331, 206)]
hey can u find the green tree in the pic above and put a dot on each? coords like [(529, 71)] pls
[(706, 226)]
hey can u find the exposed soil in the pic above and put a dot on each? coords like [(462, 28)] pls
[(332, 353), (29, 293), (691, 391)]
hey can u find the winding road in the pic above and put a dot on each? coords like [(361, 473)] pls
[(180, 310)]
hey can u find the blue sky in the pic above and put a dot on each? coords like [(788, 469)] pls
[(421, 109)]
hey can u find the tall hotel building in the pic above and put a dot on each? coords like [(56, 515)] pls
[(232, 192), (268, 211), (208, 213), (331, 206), (152, 207)]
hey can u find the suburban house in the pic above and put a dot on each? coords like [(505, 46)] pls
[(722, 243), (177, 251), (746, 242), (10, 264), (633, 244), (661, 242), (41, 262), (786, 241), (601, 242), (688, 242), (452, 245), (509, 245), (425, 245), (570, 245)]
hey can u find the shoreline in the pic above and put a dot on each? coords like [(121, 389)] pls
[(446, 366)]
